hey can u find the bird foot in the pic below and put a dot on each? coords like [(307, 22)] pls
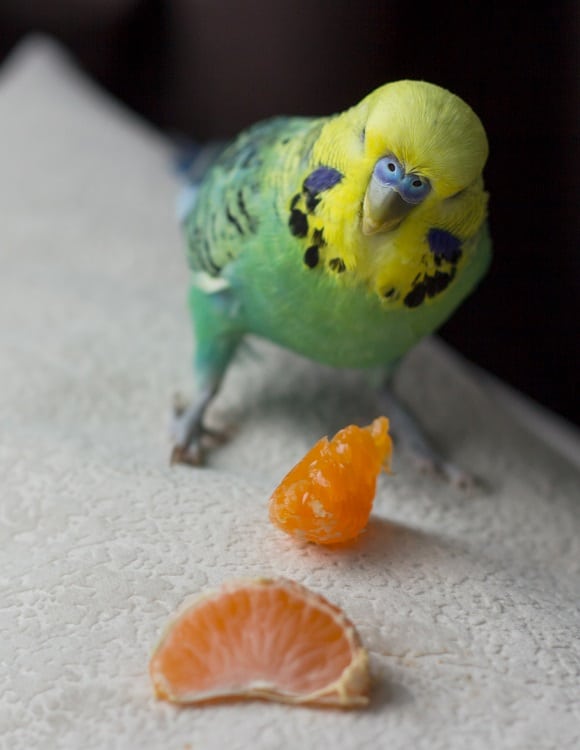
[(191, 455), (191, 437), (434, 465), (427, 459)]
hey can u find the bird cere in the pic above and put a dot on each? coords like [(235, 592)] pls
[(345, 238)]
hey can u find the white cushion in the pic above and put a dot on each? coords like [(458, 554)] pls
[(468, 604)]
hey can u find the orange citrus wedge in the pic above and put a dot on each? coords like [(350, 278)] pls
[(328, 496), (269, 639)]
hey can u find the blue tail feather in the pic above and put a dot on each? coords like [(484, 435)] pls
[(192, 161)]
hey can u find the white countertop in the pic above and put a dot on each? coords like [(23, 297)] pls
[(467, 604)]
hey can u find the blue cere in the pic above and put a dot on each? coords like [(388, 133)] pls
[(414, 188), (444, 244), (321, 179), (389, 171)]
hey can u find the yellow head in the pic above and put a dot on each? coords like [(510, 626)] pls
[(430, 130)]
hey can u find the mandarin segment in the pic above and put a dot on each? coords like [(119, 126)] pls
[(328, 496), (269, 639)]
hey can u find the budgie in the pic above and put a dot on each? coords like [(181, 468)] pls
[(345, 238)]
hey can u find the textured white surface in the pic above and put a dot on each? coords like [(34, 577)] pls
[(469, 605)]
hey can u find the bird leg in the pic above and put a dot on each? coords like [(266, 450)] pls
[(409, 434), (188, 429), (217, 338)]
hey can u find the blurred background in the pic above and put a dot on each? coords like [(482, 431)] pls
[(208, 68)]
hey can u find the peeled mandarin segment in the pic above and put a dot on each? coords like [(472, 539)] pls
[(328, 496), (270, 639)]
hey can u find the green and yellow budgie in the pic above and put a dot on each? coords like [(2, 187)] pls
[(345, 238)]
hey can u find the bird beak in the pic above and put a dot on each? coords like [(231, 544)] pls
[(383, 208)]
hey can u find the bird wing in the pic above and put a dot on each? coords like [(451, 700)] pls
[(237, 202)]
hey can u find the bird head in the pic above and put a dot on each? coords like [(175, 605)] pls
[(421, 144)]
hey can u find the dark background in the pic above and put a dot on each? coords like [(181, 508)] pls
[(210, 68)]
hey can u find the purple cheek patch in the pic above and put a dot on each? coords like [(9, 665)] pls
[(444, 245), (321, 179)]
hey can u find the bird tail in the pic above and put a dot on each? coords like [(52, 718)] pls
[(192, 161)]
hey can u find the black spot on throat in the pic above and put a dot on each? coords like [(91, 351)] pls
[(312, 200), (298, 223), (438, 283), (311, 256), (318, 238), (429, 286), (338, 265), (416, 296)]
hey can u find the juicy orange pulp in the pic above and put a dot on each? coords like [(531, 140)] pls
[(328, 496), (271, 639)]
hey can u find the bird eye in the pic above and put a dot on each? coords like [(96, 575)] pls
[(415, 188)]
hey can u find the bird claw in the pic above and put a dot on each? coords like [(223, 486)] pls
[(188, 451), (190, 435), (192, 455), (425, 456), (434, 466)]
